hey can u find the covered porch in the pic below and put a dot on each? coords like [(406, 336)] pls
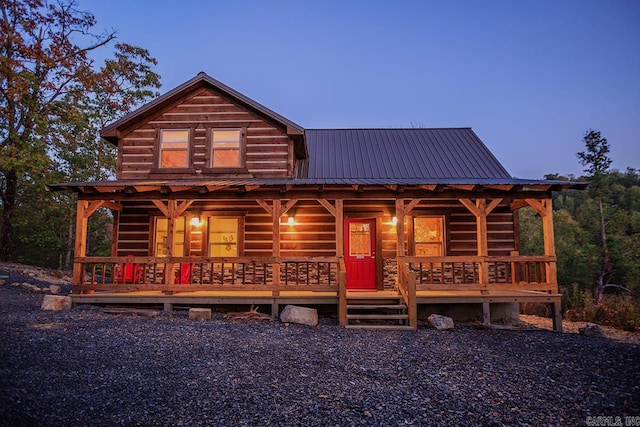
[(285, 278)]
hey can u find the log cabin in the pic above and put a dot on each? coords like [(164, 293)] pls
[(219, 200)]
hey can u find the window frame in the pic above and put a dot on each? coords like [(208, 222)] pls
[(153, 234), (159, 150), (242, 149), (444, 241), (224, 215)]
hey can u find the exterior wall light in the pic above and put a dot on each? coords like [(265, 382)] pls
[(291, 220), (195, 221), (394, 220)]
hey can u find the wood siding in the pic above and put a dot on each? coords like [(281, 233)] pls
[(268, 151), (314, 231)]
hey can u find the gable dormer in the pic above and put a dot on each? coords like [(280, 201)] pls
[(204, 128)]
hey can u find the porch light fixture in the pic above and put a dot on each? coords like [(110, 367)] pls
[(195, 221), (394, 220), (291, 220)]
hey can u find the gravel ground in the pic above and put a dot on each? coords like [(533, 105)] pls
[(84, 367)]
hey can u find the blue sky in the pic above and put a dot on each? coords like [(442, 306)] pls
[(529, 76)]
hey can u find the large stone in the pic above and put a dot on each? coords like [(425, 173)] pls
[(2, 282), (301, 315), (199, 313), (590, 330), (441, 323), (54, 289), (56, 303)]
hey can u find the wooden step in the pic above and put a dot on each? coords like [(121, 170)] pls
[(381, 327), (378, 316), (376, 306)]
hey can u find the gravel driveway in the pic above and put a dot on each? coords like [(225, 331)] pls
[(84, 367)]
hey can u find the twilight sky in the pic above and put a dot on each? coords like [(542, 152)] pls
[(529, 76)]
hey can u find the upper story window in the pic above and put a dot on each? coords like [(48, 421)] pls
[(174, 148), (226, 148)]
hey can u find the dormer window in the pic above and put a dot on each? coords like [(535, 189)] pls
[(226, 148), (174, 148)]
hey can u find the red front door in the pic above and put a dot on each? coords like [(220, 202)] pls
[(360, 253)]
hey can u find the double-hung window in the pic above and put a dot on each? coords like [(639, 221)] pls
[(174, 148), (225, 147)]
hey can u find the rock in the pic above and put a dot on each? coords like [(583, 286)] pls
[(301, 315), (54, 289), (29, 287), (441, 323), (590, 330), (15, 284), (2, 282), (199, 313), (56, 303)]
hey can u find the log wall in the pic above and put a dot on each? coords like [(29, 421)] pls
[(314, 231), (268, 151)]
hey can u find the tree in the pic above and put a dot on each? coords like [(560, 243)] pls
[(597, 164), (48, 81)]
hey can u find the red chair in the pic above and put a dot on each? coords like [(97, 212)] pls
[(128, 272), (183, 274)]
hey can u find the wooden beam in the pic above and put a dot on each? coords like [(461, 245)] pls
[(467, 203), (182, 207), (328, 206), (412, 204), (80, 248), (212, 188), (163, 208), (276, 227), (265, 206), (429, 187), (537, 206), (400, 250), (284, 209), (518, 204), (465, 187), (339, 214), (92, 207), (391, 187), (247, 188), (492, 205), (481, 225), (111, 205)]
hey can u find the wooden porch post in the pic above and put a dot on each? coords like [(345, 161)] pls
[(339, 228), (400, 251), (545, 209), (276, 213), (481, 210), (80, 249)]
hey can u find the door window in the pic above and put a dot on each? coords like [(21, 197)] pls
[(359, 239)]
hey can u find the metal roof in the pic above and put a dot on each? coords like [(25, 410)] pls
[(388, 154)]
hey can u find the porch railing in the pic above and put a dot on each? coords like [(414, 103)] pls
[(536, 273), (125, 274)]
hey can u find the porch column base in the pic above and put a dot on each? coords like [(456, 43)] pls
[(275, 309), (557, 316), (168, 307), (486, 312)]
